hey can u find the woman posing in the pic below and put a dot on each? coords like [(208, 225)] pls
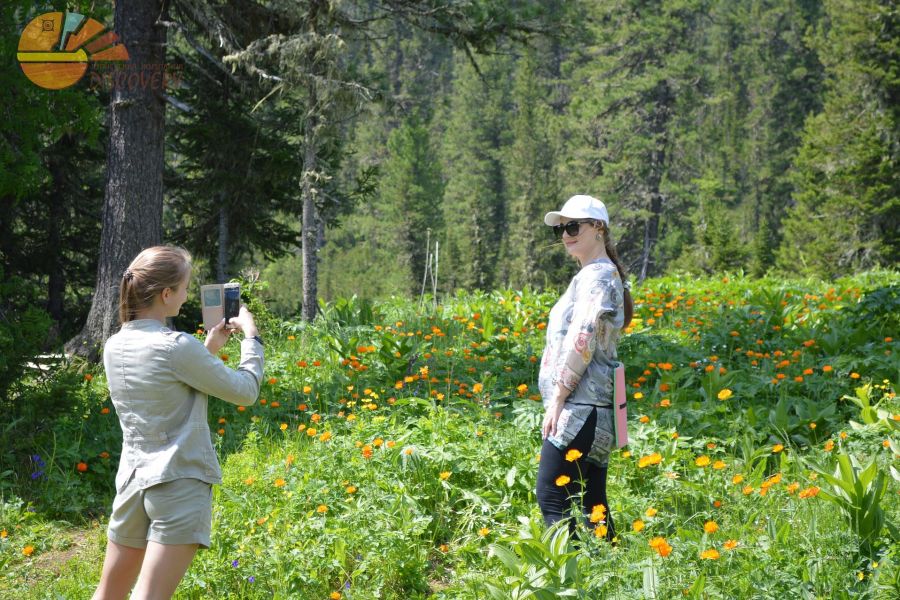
[(576, 375)]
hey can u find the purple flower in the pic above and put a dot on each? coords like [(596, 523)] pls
[(234, 563), (37, 474), (251, 579)]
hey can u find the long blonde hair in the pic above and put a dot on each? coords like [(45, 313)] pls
[(151, 271)]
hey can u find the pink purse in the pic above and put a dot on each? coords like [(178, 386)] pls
[(620, 408)]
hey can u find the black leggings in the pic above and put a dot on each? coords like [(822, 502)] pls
[(556, 501)]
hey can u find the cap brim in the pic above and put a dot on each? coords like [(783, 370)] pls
[(552, 218)]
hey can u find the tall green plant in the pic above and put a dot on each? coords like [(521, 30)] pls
[(858, 491)]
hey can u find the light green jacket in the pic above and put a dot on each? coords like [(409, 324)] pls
[(158, 381)]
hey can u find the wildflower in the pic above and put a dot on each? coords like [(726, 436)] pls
[(28, 550), (283, 426), (104, 410), (792, 487), (311, 432), (573, 455), (748, 489), (82, 467), (445, 475), (249, 480), (665, 403), (854, 375), (702, 461), (235, 563), (272, 381), (322, 509), (810, 492), (409, 451), (827, 369), (650, 512), (483, 531), (725, 394), (563, 480), (777, 448), (307, 389), (87, 377), (711, 554), (279, 482), (710, 527), (477, 388), (335, 596), (719, 464), (661, 546), (251, 579), (325, 436), (652, 459), (638, 395), (444, 548), (367, 451), (644, 419), (637, 526), (730, 544), (600, 531), (598, 513), (351, 489)]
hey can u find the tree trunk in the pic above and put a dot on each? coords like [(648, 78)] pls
[(132, 209), (659, 124), (222, 258), (309, 231)]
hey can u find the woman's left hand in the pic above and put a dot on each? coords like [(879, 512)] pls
[(217, 337)]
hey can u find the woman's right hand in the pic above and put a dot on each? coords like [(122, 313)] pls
[(244, 322), (551, 418)]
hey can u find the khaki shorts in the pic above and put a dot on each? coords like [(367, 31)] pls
[(174, 512)]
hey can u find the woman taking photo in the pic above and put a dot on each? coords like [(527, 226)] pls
[(576, 375), (158, 381)]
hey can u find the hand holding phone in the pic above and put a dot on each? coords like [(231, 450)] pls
[(219, 301)]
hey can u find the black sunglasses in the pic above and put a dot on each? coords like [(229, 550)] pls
[(572, 228)]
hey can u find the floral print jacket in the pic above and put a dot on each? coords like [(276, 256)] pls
[(580, 353)]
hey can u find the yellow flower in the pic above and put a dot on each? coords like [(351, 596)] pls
[(777, 448), (283, 427), (810, 492), (563, 480), (829, 445), (445, 475), (322, 509), (335, 596), (483, 531), (600, 531), (637, 525), (307, 389), (711, 554), (573, 455), (650, 512), (710, 527), (598, 513), (351, 489), (477, 388), (638, 395), (702, 461), (644, 419), (279, 482), (28, 550), (725, 394), (737, 479), (652, 459), (661, 546), (719, 464)]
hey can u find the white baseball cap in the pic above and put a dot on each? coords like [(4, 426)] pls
[(579, 207)]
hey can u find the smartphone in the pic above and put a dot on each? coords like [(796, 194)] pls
[(232, 293), (218, 301)]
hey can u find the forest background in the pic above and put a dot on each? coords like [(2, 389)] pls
[(754, 135)]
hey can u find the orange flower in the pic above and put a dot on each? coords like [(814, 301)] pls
[(82, 467), (87, 377), (335, 596), (827, 369), (637, 526), (104, 410), (367, 451), (279, 482), (702, 461), (325, 436), (28, 550), (652, 459), (854, 375), (477, 388), (644, 419), (661, 546), (719, 464), (711, 554), (351, 489), (272, 381), (710, 527), (563, 480), (810, 492), (730, 544), (322, 509)]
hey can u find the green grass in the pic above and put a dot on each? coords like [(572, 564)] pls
[(423, 485)]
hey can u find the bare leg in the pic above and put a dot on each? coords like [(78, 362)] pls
[(120, 569), (164, 566)]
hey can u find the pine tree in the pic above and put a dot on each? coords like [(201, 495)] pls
[(846, 173), (475, 195)]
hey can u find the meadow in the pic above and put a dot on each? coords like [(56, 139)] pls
[(393, 451)]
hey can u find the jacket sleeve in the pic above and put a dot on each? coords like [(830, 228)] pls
[(195, 366), (595, 297)]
